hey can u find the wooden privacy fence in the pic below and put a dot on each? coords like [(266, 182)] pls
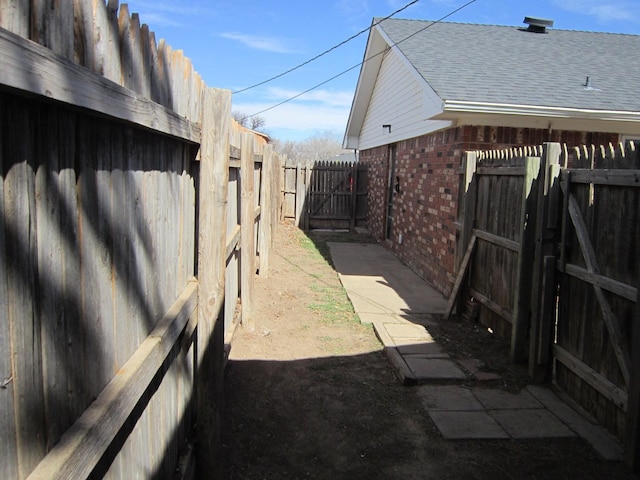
[(123, 255), (550, 240), (326, 195)]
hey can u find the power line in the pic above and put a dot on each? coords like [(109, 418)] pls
[(364, 61), (325, 52)]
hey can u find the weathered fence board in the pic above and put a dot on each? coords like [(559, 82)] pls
[(574, 231), (50, 77), (105, 218), (82, 447), (599, 267)]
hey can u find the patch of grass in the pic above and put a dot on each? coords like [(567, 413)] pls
[(309, 246), (318, 288), (334, 305)]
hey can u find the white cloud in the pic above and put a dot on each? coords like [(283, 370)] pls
[(604, 11), (269, 44), (298, 119), (326, 97)]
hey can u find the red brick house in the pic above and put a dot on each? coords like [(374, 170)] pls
[(427, 92)]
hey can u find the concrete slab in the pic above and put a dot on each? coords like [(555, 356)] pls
[(405, 346), (531, 423), (467, 425), (408, 330), (382, 333), (474, 366), (433, 350), (425, 319), (401, 369), (607, 446), (372, 317), (398, 289), (495, 399), (448, 398), (429, 369)]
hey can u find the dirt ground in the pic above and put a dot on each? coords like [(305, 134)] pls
[(309, 394)]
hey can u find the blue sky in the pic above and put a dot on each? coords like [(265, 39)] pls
[(234, 44)]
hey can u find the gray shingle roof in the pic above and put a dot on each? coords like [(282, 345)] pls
[(498, 64)]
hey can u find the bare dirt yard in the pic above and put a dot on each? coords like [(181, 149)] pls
[(309, 393)]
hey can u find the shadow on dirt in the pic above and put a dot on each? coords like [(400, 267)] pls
[(347, 417)]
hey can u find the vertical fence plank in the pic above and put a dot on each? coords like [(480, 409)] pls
[(298, 194), (51, 267), (112, 63), (354, 196), (14, 16), (51, 22), (212, 208), (247, 250), (266, 208), (540, 310), (23, 319), (470, 188), (9, 464), (522, 301)]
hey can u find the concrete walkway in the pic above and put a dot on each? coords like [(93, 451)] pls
[(401, 306)]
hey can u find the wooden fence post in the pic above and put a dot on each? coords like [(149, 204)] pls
[(543, 291), (469, 214), (300, 195), (267, 210), (212, 227), (522, 302), (354, 197), (247, 220)]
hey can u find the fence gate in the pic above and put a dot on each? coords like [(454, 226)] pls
[(327, 195), (550, 245), (597, 268)]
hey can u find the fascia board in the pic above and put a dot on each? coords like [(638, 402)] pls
[(452, 109)]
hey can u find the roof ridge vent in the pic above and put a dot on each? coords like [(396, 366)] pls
[(537, 25)]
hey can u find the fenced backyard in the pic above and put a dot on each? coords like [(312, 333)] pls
[(548, 242), (134, 215)]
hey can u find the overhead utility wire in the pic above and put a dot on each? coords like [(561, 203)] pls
[(325, 52), (364, 61)]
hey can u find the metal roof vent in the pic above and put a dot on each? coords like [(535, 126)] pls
[(537, 25)]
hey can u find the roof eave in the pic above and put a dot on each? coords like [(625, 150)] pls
[(538, 116), (451, 109)]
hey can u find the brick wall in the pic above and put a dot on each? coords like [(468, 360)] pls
[(426, 207)]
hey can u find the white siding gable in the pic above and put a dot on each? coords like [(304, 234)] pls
[(403, 99)]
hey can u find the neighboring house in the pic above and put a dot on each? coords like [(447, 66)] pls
[(427, 92)]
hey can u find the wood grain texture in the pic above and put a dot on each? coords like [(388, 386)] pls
[(82, 446), (212, 199), (247, 249), (34, 69)]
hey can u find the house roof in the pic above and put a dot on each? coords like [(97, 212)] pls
[(488, 69)]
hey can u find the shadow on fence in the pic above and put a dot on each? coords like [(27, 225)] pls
[(113, 199)]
